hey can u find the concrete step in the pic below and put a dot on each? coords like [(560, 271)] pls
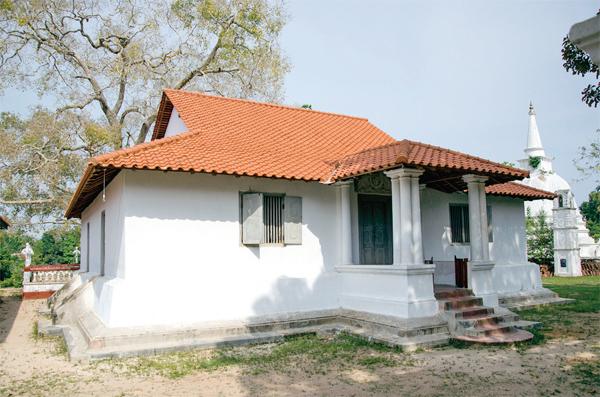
[(488, 330), (447, 293), (470, 312), (484, 319), (516, 335), (461, 302)]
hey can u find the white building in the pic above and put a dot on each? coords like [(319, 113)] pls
[(243, 220), (542, 176)]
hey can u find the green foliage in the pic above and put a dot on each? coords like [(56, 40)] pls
[(56, 246), (306, 106), (591, 212), (11, 266), (540, 239), (509, 163), (534, 161), (588, 162), (578, 62)]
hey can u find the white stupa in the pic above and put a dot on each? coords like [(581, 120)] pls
[(542, 176)]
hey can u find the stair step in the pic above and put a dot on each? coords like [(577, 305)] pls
[(471, 312), (516, 335), (442, 293), (482, 320), (462, 302), (489, 330)]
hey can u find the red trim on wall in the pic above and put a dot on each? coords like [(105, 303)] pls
[(37, 295), (51, 268)]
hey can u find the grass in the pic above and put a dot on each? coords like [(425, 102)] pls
[(57, 343), (319, 352), (577, 319)]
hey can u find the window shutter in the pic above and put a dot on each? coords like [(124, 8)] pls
[(489, 222), (252, 210), (292, 216)]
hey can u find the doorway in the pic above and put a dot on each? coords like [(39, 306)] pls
[(375, 229)]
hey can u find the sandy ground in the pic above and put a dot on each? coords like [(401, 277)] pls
[(30, 367)]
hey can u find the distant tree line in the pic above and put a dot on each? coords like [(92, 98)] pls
[(55, 246)]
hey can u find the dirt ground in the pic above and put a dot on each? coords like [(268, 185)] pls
[(32, 367)]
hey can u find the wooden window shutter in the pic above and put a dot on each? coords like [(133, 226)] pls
[(292, 217), (252, 218)]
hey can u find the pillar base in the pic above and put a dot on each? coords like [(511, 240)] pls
[(404, 290), (481, 281)]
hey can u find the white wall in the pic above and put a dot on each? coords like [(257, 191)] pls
[(185, 263), (113, 206), (176, 124), (508, 228)]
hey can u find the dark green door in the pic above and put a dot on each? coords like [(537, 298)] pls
[(375, 229)]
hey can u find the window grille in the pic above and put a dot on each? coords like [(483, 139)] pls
[(273, 219), (459, 223)]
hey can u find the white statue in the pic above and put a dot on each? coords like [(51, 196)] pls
[(76, 253), (27, 253)]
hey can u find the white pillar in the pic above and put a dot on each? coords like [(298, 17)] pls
[(396, 219), (474, 183), (406, 216), (405, 220), (480, 267), (345, 188), (417, 237), (483, 218)]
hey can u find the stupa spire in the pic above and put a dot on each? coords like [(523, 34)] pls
[(534, 142)]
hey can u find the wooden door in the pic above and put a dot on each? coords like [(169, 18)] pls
[(460, 272), (375, 229)]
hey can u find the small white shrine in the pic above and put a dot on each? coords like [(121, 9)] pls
[(543, 176)]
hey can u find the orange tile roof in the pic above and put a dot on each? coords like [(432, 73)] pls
[(242, 137), (514, 189), (407, 152)]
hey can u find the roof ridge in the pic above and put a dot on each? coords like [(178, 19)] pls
[(520, 183), (140, 147), (268, 104), (468, 155), (371, 149)]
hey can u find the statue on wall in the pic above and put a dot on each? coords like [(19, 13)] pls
[(76, 254), (27, 253)]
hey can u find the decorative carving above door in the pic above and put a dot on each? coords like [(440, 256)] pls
[(375, 183)]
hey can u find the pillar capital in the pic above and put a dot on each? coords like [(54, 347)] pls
[(344, 184), (471, 178), (403, 172)]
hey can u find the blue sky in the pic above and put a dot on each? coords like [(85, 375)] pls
[(458, 74)]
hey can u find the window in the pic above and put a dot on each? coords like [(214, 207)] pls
[(459, 223), (271, 219), (102, 242), (87, 247)]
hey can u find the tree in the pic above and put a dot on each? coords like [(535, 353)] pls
[(11, 266), (591, 212), (588, 162), (106, 63), (578, 62), (540, 238), (40, 161), (115, 57), (56, 246)]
